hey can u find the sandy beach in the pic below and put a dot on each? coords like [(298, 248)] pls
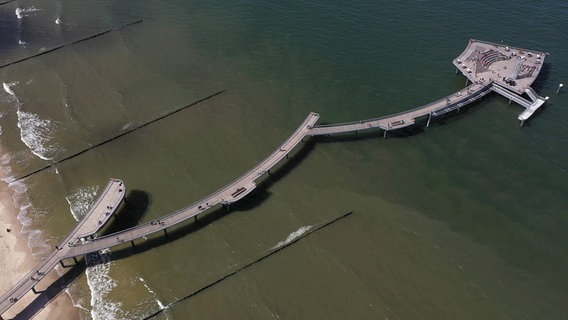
[(17, 261)]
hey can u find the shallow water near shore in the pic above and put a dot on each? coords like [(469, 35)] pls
[(465, 219)]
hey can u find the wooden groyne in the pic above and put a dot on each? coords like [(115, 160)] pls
[(70, 44), (224, 196), (129, 131), (82, 239)]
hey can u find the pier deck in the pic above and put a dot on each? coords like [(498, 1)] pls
[(511, 70), (232, 192), (107, 202), (408, 118), (477, 63)]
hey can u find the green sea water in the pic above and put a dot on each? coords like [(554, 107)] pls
[(465, 219)]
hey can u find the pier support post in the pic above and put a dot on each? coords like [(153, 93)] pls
[(63, 264), (522, 123), (75, 260), (457, 70), (133, 245), (466, 81), (429, 118), (385, 134), (287, 157), (166, 233)]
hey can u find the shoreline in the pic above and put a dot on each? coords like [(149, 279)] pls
[(17, 260)]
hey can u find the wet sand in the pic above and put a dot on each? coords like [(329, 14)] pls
[(17, 261)]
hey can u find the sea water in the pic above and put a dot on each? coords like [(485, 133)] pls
[(466, 219)]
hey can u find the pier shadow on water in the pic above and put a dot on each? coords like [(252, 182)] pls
[(46, 295), (374, 133), (543, 78), (251, 201), (135, 205), (129, 215)]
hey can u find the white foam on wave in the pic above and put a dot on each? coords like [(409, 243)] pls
[(26, 12), (292, 236), (8, 88), (80, 200), (160, 304), (76, 304), (35, 237), (11, 97), (126, 126), (58, 21), (37, 242), (98, 272), (101, 284), (36, 133)]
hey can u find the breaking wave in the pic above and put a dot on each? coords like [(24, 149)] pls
[(36, 133), (98, 263), (160, 304), (80, 200), (26, 12), (101, 284), (36, 238), (8, 88), (292, 236)]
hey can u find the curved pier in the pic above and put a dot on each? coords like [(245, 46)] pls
[(82, 241), (232, 192), (408, 118)]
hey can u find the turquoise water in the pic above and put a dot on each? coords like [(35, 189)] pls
[(465, 219)]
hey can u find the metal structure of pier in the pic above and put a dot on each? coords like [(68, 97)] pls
[(83, 240)]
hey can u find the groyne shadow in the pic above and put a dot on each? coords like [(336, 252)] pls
[(251, 201)]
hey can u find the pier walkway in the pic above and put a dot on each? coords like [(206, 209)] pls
[(246, 183), (408, 118), (94, 220), (232, 192), (82, 239)]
